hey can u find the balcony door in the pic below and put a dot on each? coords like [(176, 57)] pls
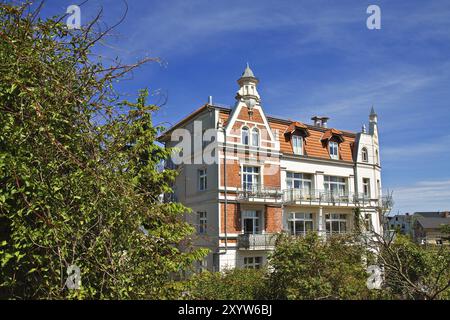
[(251, 222)]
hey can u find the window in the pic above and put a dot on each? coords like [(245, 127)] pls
[(336, 223), (250, 178), (301, 181), (366, 187), (202, 180), (252, 262), (377, 157), (368, 222), (202, 222), (245, 136), (333, 146), (202, 265), (300, 223), (335, 185), (255, 137), (251, 223), (297, 144), (365, 157)]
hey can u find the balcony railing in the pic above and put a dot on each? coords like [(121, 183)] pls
[(258, 192), (324, 196), (256, 241)]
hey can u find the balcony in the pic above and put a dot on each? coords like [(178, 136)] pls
[(259, 193), (320, 196), (256, 241)]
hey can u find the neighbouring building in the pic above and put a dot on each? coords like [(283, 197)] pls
[(269, 175), (427, 227), (401, 223)]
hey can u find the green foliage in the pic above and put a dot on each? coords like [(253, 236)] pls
[(78, 172), (235, 284), (311, 268), (415, 271)]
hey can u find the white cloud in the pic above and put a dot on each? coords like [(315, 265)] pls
[(428, 148), (423, 196)]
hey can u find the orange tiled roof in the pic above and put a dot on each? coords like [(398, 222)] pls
[(330, 133), (294, 126)]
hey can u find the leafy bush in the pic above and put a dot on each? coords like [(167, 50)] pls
[(234, 284)]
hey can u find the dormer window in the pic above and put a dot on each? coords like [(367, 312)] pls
[(364, 155), (297, 144), (334, 150), (244, 136), (255, 137)]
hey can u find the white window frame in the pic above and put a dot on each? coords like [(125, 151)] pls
[(252, 262), (364, 155), (304, 182), (256, 220), (368, 222), (333, 147), (366, 187), (245, 134), (334, 183), (297, 144), (202, 222), (255, 137), (335, 217), (304, 219), (255, 174), (202, 179)]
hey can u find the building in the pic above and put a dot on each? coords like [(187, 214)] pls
[(248, 176), (427, 227), (401, 223)]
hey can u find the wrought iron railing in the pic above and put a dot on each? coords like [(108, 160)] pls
[(321, 195), (260, 192), (256, 241)]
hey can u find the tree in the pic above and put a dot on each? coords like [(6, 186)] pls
[(311, 268), (79, 183), (412, 271)]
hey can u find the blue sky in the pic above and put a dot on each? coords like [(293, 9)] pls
[(312, 57)]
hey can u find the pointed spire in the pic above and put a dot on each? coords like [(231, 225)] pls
[(248, 73), (372, 111)]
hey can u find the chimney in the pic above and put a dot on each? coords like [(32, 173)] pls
[(320, 121), (210, 102)]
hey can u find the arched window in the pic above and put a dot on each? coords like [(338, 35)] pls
[(377, 157), (244, 136), (365, 157), (255, 137)]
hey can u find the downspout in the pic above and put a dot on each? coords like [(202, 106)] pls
[(220, 126)]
